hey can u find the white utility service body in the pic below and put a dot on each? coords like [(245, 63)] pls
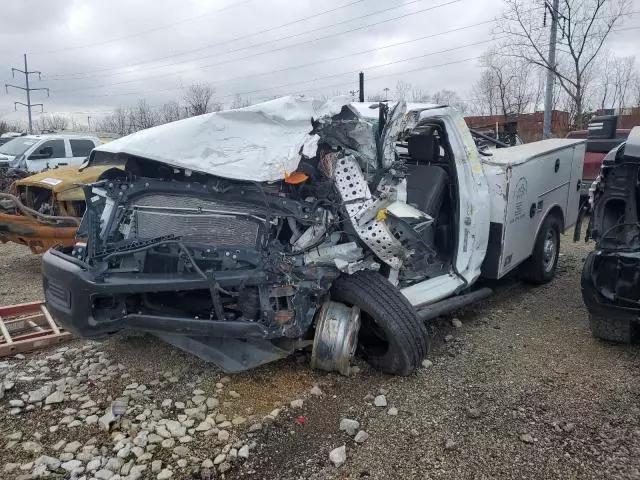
[(526, 183), (496, 192)]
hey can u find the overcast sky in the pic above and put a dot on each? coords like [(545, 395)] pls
[(96, 55)]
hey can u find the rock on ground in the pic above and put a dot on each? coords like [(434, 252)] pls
[(380, 401), (349, 426), (338, 456)]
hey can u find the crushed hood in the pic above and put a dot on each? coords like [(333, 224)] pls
[(262, 142)]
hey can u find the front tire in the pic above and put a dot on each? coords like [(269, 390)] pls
[(392, 337), (541, 266)]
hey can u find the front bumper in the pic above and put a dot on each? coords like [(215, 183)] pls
[(610, 285), (75, 295), (35, 235)]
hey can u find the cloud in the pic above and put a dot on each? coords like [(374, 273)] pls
[(96, 56)]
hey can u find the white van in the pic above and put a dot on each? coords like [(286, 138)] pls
[(35, 153)]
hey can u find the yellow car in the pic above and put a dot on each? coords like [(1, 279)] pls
[(45, 209)]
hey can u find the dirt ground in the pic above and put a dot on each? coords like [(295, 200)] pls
[(520, 390)]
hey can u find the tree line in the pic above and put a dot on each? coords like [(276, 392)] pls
[(587, 77), (197, 99)]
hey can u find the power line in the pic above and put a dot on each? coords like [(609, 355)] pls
[(371, 67), (186, 52), (144, 32), (27, 89), (331, 76), (272, 50), (299, 66), (378, 77), (345, 73)]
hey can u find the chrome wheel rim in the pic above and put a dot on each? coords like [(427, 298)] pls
[(549, 251)]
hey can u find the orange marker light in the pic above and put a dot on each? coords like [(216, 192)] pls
[(295, 178)]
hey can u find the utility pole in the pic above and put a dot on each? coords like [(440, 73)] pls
[(548, 99), (386, 93), (27, 89), (361, 77), (89, 122)]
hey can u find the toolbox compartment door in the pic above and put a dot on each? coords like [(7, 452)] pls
[(575, 187)]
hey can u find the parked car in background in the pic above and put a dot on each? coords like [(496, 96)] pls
[(602, 136), (35, 153)]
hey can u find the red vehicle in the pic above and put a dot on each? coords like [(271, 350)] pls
[(602, 136)]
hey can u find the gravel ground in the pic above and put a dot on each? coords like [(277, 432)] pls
[(20, 279), (519, 389)]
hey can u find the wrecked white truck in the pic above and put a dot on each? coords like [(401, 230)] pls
[(242, 235), (610, 272)]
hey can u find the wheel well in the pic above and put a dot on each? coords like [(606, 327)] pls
[(556, 211)]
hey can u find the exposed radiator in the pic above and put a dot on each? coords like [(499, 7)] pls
[(194, 219)]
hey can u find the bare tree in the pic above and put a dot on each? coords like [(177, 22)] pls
[(118, 122), (58, 122), (420, 96), (635, 90), (583, 27), (507, 83), (40, 125), (78, 127), (14, 126), (402, 89), (484, 94), (169, 112), (198, 98), (605, 74), (240, 102), (143, 116), (449, 97), (623, 74), (52, 122), (376, 97)]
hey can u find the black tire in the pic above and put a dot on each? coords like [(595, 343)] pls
[(392, 338), (611, 329), (539, 268)]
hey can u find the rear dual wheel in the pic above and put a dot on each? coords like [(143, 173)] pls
[(541, 266)]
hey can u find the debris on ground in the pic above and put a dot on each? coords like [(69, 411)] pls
[(380, 401), (349, 426), (338, 456), (427, 363)]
